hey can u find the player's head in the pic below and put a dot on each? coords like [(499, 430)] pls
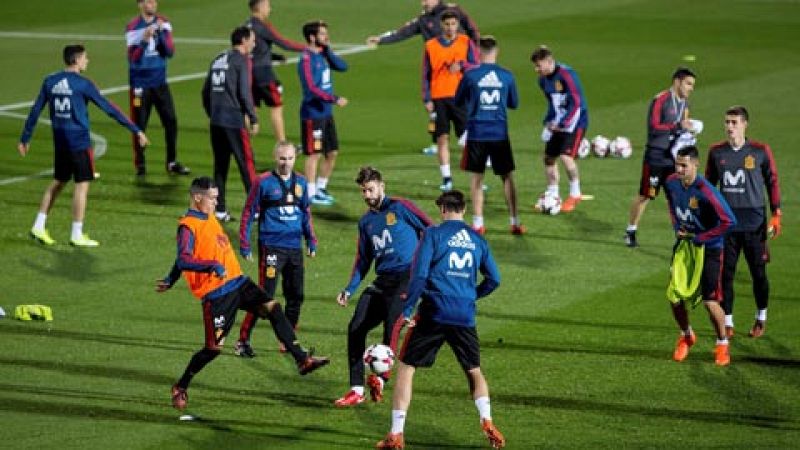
[(450, 23), (686, 163), (260, 8), (488, 46), (316, 33), (428, 5), (203, 193), (543, 61), (683, 81), (148, 7), (736, 118), (244, 38), (451, 203), (75, 56), (285, 157), (370, 181)]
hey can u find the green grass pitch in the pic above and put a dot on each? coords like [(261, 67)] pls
[(576, 342)]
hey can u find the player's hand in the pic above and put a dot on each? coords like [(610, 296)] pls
[(341, 101), (683, 234), (373, 41), (23, 148), (410, 322), (149, 32), (429, 107), (142, 139), (249, 257), (342, 298), (311, 253), (456, 67), (686, 124), (254, 129), (219, 271), (159, 24), (162, 286), (774, 229)]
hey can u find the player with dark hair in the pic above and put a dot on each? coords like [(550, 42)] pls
[(266, 86), (486, 92), (387, 234), (318, 129), (68, 93), (667, 117), (700, 214), (445, 59), (445, 278), (279, 202), (748, 179), (150, 45), (207, 261), (565, 122), (428, 25), (228, 102)]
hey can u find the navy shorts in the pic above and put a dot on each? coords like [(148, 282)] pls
[(219, 313), (69, 165), (319, 136), (270, 94), (563, 143), (653, 177), (446, 112), (423, 342), (475, 154)]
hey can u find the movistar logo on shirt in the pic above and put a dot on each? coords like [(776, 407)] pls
[(490, 80), (62, 88), (461, 240), (734, 182), (380, 242)]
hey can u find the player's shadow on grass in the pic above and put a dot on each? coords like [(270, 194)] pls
[(719, 417), (71, 263), (169, 193), (332, 214)]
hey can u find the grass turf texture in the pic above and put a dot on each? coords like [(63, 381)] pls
[(576, 342)]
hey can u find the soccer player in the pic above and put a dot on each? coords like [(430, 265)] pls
[(445, 278), (667, 118), (565, 122), (446, 57), (428, 25), (699, 213), (149, 38), (266, 86), (279, 201), (746, 173), (387, 234), (208, 263), (68, 93), (318, 129), (487, 91), (228, 103)]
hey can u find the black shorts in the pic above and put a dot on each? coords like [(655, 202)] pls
[(219, 313), (69, 165), (653, 177), (270, 94), (711, 281), (274, 263), (446, 112), (319, 136), (423, 342), (475, 154), (563, 143)]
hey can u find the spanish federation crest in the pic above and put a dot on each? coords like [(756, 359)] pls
[(391, 218), (298, 190), (693, 202), (270, 272), (749, 162)]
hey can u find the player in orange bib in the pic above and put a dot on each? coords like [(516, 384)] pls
[(209, 265)]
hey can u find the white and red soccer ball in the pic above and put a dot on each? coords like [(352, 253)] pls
[(379, 358), (620, 147), (600, 146), (585, 149), (548, 204)]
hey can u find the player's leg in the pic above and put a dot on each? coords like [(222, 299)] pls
[(290, 267), (569, 152), (267, 279), (242, 150), (272, 96), (221, 148), (687, 337), (62, 173), (473, 161), (711, 290), (83, 164), (756, 254), (731, 252), (368, 314), (165, 107), (330, 150), (141, 106), (442, 136), (503, 166), (647, 191)]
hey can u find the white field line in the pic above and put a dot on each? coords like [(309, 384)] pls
[(100, 143)]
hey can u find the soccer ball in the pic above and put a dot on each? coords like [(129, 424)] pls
[(584, 149), (600, 146), (548, 204), (621, 147), (379, 358)]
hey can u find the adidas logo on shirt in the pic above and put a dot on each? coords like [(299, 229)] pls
[(461, 240), (61, 88), (490, 80)]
